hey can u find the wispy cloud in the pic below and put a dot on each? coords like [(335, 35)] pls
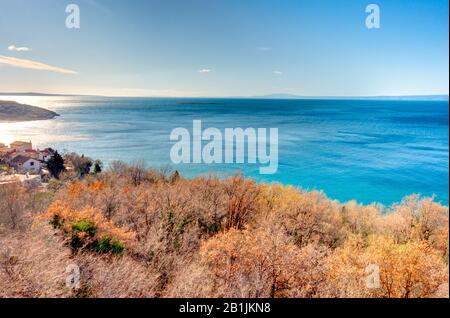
[(33, 65), (277, 72), (264, 48), (204, 71), (18, 49)]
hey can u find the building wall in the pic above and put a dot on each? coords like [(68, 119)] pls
[(44, 157), (29, 166), (21, 146)]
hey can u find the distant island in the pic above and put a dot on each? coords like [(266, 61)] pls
[(199, 103), (12, 112), (405, 97)]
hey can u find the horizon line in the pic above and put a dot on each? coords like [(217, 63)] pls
[(266, 96)]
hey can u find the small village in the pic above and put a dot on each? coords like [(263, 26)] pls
[(20, 163)]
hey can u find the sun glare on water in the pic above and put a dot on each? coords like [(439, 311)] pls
[(40, 101), (42, 133), (10, 132)]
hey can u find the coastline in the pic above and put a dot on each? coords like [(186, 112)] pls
[(13, 112), (348, 156)]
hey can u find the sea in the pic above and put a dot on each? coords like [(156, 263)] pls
[(364, 150)]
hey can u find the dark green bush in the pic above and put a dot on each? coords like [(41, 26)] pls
[(109, 245), (86, 227), (82, 242)]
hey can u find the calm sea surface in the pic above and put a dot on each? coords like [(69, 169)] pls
[(351, 149)]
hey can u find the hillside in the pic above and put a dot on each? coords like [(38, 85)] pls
[(12, 112), (134, 232)]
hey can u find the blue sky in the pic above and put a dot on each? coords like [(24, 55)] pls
[(225, 48)]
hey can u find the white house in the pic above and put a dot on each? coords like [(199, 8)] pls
[(44, 155), (25, 164)]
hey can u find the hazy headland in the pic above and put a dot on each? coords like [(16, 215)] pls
[(12, 112)]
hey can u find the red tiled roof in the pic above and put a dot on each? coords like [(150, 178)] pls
[(21, 159)]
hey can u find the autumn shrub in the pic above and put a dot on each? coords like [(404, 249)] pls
[(244, 263), (168, 219), (33, 263), (418, 219), (135, 173), (86, 228), (13, 201), (406, 270), (409, 270), (214, 237), (242, 199), (306, 217), (113, 277), (360, 219)]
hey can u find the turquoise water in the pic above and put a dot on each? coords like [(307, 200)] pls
[(351, 149)]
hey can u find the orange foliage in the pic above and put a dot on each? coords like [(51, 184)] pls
[(406, 270), (96, 187), (66, 217), (256, 264), (208, 237), (307, 217)]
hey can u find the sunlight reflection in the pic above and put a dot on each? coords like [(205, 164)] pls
[(41, 101), (42, 133)]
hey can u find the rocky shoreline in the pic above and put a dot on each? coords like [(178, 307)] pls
[(14, 112)]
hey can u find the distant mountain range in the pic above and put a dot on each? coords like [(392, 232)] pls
[(409, 97), (281, 96)]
